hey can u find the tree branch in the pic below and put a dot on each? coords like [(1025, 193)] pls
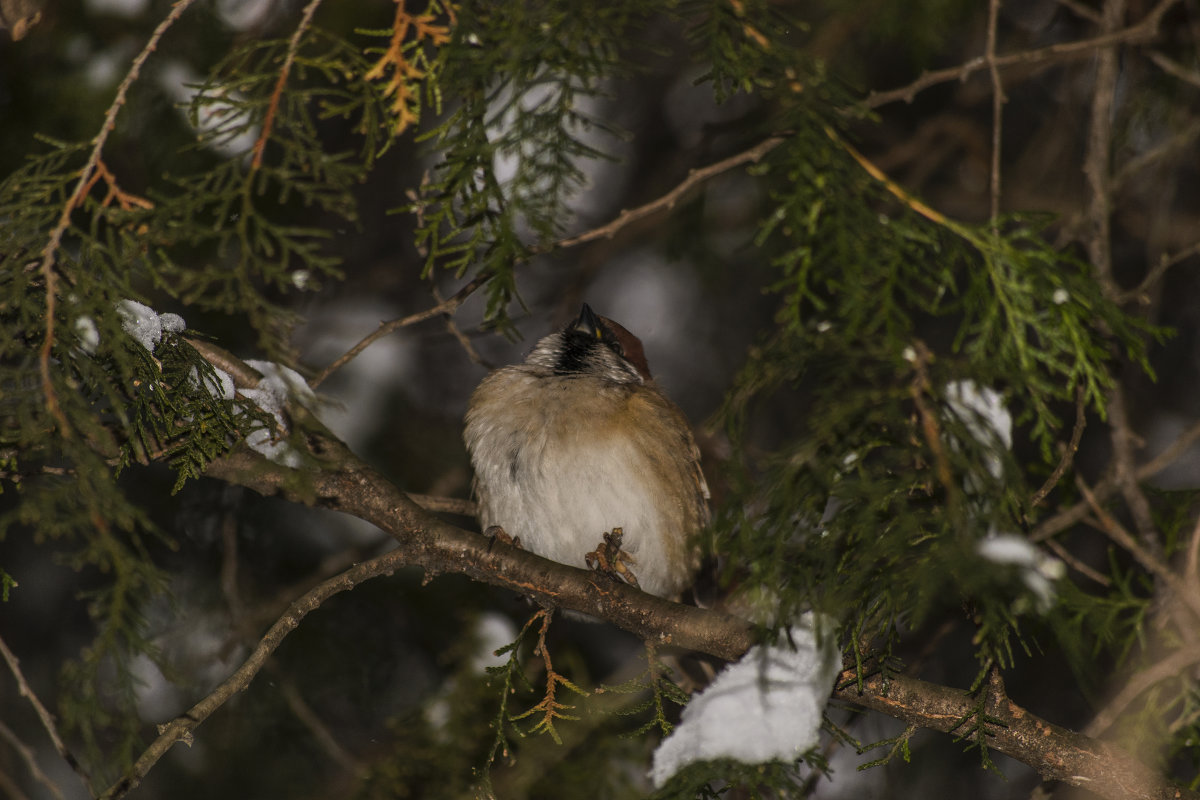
[(260, 145), (1143, 31), (30, 758), (47, 720), (182, 726), (1056, 753)]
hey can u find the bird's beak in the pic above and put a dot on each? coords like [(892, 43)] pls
[(587, 322)]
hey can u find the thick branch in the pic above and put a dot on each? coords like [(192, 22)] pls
[(1056, 753), (439, 547)]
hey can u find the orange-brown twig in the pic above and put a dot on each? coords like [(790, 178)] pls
[(549, 706), (49, 276), (260, 145)]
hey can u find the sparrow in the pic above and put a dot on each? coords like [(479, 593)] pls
[(578, 446)]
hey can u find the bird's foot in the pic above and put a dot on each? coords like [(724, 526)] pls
[(497, 534), (609, 558)]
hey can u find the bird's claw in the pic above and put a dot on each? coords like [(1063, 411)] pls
[(610, 559), (497, 534)]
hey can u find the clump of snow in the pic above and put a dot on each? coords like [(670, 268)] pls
[(171, 323), (492, 631), (89, 336), (146, 325), (278, 385), (223, 121), (983, 410), (220, 384), (1038, 570), (130, 9), (768, 706)]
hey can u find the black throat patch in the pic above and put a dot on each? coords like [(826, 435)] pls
[(577, 349)]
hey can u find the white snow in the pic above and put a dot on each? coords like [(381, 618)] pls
[(242, 15), (976, 405), (146, 325), (219, 385), (767, 706), (1038, 570), (983, 411), (89, 336), (493, 630), (225, 112), (129, 9), (171, 323), (278, 385)]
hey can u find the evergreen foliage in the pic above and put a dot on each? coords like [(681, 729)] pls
[(871, 507)]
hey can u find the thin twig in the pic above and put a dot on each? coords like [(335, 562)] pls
[(1143, 31), (1123, 538), (446, 505), (1068, 517), (49, 276), (282, 681), (260, 146), (1175, 665), (694, 178), (1180, 142), (1169, 456), (460, 337), (27, 755), (917, 388), (1068, 455), (27, 692), (1125, 472), (1099, 147), (316, 726), (444, 307), (1138, 293), (9, 788), (931, 214), (182, 726), (1191, 570), (667, 201), (1174, 68), (1074, 563), (997, 108), (1080, 10)]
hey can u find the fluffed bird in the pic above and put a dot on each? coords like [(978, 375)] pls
[(579, 441)]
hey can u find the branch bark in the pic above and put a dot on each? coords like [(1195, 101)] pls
[(1056, 753)]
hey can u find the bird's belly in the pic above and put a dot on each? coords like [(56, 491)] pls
[(569, 497)]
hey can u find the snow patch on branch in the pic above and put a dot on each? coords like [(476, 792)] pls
[(145, 325), (279, 384), (767, 706), (1038, 570)]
